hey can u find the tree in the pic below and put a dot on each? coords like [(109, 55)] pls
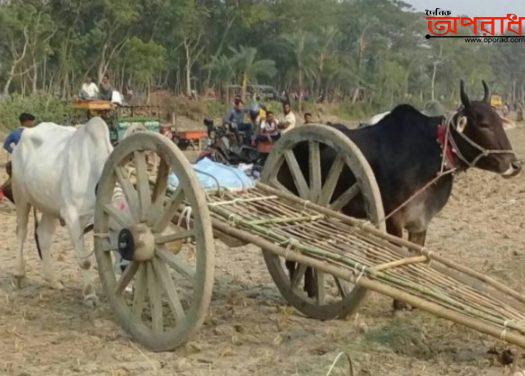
[(144, 60), (302, 48), (248, 68)]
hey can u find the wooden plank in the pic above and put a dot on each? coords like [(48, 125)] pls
[(126, 277), (116, 215), (314, 165), (297, 174), (320, 283), (144, 193), (155, 300), (139, 291), (331, 181), (345, 197), (168, 285), (183, 234), (175, 262), (299, 273), (170, 209), (129, 191)]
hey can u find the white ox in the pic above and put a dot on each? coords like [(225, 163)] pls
[(56, 170)]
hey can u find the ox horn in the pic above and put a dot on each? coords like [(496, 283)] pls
[(463, 94), (486, 96)]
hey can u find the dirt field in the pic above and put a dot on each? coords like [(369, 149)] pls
[(250, 330)]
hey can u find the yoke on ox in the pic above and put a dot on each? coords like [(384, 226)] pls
[(55, 170)]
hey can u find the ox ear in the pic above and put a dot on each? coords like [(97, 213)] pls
[(463, 94), (462, 124), (486, 95)]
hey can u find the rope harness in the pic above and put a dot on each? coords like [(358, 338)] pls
[(450, 154)]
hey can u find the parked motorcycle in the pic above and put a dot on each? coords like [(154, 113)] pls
[(225, 145)]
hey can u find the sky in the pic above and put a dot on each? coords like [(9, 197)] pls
[(471, 8)]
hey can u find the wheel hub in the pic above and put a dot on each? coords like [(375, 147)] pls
[(136, 243)]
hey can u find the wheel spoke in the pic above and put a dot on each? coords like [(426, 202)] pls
[(315, 170), (169, 288), (297, 276), (161, 184), (155, 300), (117, 217), (126, 277), (343, 291), (277, 184), (297, 174), (184, 234), (170, 209), (143, 188), (331, 181), (159, 192), (107, 246), (176, 262), (139, 291), (319, 280), (345, 197), (129, 192)]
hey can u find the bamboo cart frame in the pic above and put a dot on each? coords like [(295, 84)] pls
[(163, 293)]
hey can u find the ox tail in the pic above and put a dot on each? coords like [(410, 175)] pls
[(36, 234)]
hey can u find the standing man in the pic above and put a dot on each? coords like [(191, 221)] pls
[(26, 121), (288, 121), (89, 90)]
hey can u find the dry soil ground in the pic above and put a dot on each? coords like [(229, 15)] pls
[(250, 329)]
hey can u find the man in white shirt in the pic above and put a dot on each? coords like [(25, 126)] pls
[(288, 121), (89, 90)]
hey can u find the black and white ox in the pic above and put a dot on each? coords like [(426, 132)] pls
[(404, 149)]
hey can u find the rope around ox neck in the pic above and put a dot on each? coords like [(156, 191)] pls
[(449, 121)]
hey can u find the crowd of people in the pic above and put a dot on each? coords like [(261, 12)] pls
[(262, 126)]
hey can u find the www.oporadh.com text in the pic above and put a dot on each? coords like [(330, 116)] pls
[(489, 40)]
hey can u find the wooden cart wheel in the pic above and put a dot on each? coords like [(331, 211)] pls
[(162, 296), (295, 165)]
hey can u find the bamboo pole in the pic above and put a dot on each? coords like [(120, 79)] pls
[(399, 241), (433, 308)]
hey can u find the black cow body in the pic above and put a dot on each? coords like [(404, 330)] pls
[(404, 154)]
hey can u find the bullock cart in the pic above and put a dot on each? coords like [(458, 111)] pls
[(162, 296)]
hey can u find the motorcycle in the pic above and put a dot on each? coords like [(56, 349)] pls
[(227, 145)]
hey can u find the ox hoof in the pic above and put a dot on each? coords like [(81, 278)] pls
[(18, 281), (91, 300), (56, 285), (85, 264), (400, 306)]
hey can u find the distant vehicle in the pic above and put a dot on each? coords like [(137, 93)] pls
[(121, 120), (263, 92)]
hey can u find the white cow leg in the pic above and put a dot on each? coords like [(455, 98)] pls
[(45, 231), (77, 237), (22, 215)]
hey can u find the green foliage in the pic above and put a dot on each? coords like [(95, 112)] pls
[(144, 60), (44, 107), (367, 54)]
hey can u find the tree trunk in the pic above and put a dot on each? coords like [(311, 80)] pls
[(244, 85), (188, 67), (300, 88), (35, 77)]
